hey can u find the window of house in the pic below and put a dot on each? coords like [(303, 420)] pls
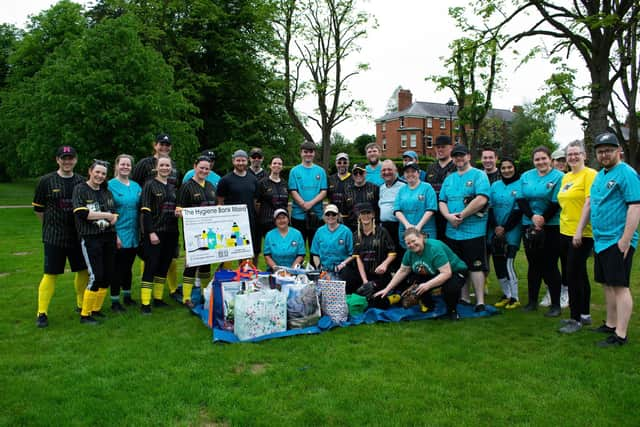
[(443, 123), (401, 122), (403, 141), (429, 141), (429, 122), (384, 126), (384, 144), (413, 140)]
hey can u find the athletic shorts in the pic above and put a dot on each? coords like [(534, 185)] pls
[(55, 258), (472, 251), (611, 269)]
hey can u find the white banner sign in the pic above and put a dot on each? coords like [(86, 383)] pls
[(215, 234)]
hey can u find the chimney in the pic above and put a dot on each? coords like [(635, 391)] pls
[(517, 109), (405, 99)]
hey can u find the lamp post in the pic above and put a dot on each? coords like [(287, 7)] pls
[(450, 107)]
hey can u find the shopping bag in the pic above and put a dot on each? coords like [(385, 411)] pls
[(333, 299), (259, 313), (357, 304), (303, 307)]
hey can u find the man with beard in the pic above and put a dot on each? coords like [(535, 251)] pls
[(374, 167)]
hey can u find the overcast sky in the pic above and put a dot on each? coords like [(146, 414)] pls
[(411, 37)]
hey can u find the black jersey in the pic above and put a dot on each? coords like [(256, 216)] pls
[(192, 194), (85, 200), (158, 207), (374, 248), (436, 174), (494, 176), (335, 191), (145, 170), (54, 199), (259, 175), (368, 192), (271, 196), (239, 190)]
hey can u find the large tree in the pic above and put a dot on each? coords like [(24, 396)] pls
[(316, 38)]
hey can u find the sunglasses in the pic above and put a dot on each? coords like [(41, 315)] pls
[(358, 172), (331, 214), (100, 163), (256, 157), (342, 162)]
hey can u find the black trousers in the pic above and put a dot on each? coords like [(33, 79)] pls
[(99, 253), (306, 228), (450, 289), (576, 273), (543, 264), (123, 274), (351, 275), (157, 258)]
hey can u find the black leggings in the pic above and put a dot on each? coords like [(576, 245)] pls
[(157, 258), (543, 264), (99, 253), (450, 289), (577, 276), (123, 275)]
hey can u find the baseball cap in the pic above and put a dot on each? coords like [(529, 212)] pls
[(344, 156), (331, 208), (163, 138), (443, 140), (209, 153), (280, 211), (255, 152), (364, 207), (459, 149), (359, 166), (410, 153), (66, 150), (606, 138), (558, 154), (308, 145), (411, 165), (239, 153)]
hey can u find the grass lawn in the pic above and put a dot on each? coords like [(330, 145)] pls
[(510, 369)]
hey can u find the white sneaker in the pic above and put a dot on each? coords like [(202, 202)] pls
[(546, 301), (564, 297)]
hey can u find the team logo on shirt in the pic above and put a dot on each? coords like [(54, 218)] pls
[(550, 185), (56, 190), (341, 242), (611, 184), (469, 183), (294, 243), (514, 193), (318, 177), (421, 197), (567, 186)]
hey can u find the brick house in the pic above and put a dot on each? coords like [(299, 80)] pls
[(416, 125)]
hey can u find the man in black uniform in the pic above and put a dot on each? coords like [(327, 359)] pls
[(360, 191), (489, 158), (337, 183), (256, 158), (437, 172), (239, 187), (52, 204)]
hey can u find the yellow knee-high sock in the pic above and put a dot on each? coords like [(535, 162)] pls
[(145, 293), (80, 282), (88, 301), (45, 292), (172, 276), (158, 287), (187, 287), (97, 305), (141, 267)]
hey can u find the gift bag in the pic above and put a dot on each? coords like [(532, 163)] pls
[(333, 299), (357, 304), (303, 307), (260, 313)]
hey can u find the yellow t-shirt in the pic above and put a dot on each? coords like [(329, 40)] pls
[(575, 188)]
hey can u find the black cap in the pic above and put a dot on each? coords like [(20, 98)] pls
[(360, 166), (459, 149), (163, 138), (308, 145), (66, 150), (443, 140), (411, 165), (364, 207), (255, 152), (606, 138), (209, 153)]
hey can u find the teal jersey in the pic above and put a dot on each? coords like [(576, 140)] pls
[(284, 250), (308, 182), (611, 193), (503, 202), (213, 177), (332, 247), (540, 192), (457, 190), (373, 174), (127, 204), (413, 203), (433, 257)]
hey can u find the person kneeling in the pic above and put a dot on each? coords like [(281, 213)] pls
[(430, 264)]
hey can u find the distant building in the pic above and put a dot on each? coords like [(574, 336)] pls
[(416, 125)]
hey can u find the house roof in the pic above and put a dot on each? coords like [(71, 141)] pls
[(433, 109)]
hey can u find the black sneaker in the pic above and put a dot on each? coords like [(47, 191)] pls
[(158, 303), (613, 340), (88, 320), (478, 308), (464, 302), (42, 321), (128, 301), (117, 307), (530, 307), (554, 311), (604, 329), (145, 309), (99, 314)]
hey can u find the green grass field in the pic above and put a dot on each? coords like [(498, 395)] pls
[(510, 369)]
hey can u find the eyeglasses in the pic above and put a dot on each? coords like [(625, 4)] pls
[(607, 151), (256, 157), (342, 162), (330, 214), (358, 172)]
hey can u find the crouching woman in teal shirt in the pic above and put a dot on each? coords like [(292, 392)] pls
[(432, 264), (283, 245)]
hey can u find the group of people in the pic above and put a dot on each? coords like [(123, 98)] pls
[(381, 231)]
